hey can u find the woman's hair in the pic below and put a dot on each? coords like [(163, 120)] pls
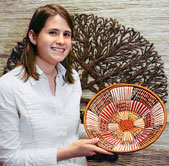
[(30, 51)]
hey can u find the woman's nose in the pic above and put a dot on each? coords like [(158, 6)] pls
[(60, 39)]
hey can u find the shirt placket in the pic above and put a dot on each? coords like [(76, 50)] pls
[(58, 96)]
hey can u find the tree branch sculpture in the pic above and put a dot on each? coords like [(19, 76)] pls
[(107, 53)]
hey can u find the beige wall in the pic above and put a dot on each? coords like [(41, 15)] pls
[(149, 17)]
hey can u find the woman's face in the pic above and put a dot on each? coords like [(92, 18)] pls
[(54, 41)]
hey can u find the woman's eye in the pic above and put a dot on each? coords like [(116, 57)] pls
[(52, 33), (67, 35)]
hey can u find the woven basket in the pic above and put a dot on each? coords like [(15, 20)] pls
[(125, 117)]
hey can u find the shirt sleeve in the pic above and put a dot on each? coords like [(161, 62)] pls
[(81, 130), (11, 151)]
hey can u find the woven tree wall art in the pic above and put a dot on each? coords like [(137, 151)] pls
[(107, 53)]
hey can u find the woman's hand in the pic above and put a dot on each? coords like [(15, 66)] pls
[(83, 147)]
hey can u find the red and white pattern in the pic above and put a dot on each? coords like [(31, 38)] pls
[(125, 118)]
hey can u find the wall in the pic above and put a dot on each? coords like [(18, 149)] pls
[(149, 17)]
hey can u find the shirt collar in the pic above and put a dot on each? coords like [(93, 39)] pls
[(60, 68)]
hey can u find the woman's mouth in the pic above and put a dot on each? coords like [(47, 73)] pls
[(58, 49)]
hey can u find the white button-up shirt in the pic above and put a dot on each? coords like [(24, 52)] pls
[(34, 123)]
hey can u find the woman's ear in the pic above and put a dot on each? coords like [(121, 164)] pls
[(32, 37)]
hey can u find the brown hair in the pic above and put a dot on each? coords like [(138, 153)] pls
[(36, 24)]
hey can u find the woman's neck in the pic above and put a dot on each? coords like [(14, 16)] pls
[(50, 71)]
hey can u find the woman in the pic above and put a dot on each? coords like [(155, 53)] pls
[(40, 98)]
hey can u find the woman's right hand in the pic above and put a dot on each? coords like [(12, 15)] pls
[(83, 147)]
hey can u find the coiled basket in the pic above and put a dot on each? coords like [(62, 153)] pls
[(125, 117)]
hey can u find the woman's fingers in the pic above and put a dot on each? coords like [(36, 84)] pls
[(103, 151), (85, 147), (94, 141)]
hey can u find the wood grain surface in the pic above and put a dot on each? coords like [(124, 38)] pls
[(149, 17)]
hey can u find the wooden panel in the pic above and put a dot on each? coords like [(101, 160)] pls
[(150, 18)]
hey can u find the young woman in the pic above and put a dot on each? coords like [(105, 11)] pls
[(40, 99)]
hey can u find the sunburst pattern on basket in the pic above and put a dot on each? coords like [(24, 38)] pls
[(125, 117)]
